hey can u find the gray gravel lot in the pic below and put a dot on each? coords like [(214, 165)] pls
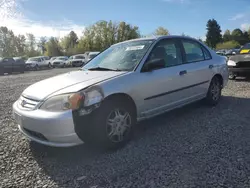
[(195, 146)]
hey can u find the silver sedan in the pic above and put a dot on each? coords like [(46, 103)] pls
[(128, 82)]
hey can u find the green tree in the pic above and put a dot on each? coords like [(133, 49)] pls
[(237, 35), (102, 34), (31, 46), (161, 31), (20, 44), (227, 45), (7, 46), (41, 44), (227, 36), (213, 33), (53, 48)]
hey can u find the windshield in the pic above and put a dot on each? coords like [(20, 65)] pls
[(78, 57), (33, 59), (61, 58), (92, 55), (122, 56), (246, 47)]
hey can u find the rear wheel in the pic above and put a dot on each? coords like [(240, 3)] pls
[(114, 126), (214, 91)]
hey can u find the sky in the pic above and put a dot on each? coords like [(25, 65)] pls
[(58, 17)]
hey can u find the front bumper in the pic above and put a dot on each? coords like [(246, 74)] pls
[(77, 63), (48, 128), (58, 65), (239, 69)]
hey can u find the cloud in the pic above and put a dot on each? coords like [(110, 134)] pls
[(237, 17), (245, 26), (11, 17)]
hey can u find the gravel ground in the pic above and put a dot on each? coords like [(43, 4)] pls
[(195, 146)]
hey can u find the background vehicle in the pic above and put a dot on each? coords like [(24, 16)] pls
[(47, 60), (128, 82), (77, 60), (60, 61), (36, 63), (91, 55), (9, 65)]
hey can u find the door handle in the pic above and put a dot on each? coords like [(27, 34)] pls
[(183, 72), (211, 66)]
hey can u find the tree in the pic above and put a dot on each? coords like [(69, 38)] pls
[(227, 45), (41, 44), (227, 36), (213, 33), (31, 49), (102, 34), (53, 48), (20, 44), (161, 31), (7, 42)]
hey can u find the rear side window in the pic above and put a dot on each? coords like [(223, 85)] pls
[(207, 55), (193, 51)]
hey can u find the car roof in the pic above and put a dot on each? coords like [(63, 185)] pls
[(93, 53), (158, 37)]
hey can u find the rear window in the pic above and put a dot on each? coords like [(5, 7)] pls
[(246, 47)]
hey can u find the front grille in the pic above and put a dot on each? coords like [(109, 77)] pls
[(56, 63), (35, 134), (27, 103), (243, 64)]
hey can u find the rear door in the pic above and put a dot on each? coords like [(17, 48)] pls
[(199, 66)]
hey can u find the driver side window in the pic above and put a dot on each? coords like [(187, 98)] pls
[(167, 50)]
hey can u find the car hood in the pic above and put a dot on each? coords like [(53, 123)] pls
[(240, 57), (59, 61), (66, 83)]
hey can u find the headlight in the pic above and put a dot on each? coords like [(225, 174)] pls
[(231, 63), (72, 101)]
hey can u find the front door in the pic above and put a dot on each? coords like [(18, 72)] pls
[(162, 89)]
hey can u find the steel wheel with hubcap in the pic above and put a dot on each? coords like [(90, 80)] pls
[(214, 91), (111, 124), (118, 124)]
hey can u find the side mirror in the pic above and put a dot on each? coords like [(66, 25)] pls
[(153, 65)]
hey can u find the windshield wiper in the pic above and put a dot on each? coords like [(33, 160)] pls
[(103, 69)]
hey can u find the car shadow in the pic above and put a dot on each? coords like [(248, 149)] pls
[(164, 139), (242, 79)]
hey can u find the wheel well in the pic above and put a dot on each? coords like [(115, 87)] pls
[(220, 79), (125, 98)]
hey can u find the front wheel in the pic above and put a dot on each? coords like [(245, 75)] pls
[(36, 68), (232, 76), (214, 92), (50, 66), (114, 126)]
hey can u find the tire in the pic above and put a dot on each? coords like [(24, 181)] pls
[(36, 68), (214, 92), (64, 65), (106, 129), (49, 66), (232, 76)]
